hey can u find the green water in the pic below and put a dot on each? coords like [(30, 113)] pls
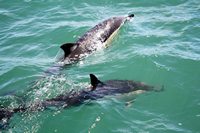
[(160, 47)]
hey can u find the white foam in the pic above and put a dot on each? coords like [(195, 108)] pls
[(59, 55)]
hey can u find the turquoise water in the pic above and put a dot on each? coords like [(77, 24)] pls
[(160, 47)]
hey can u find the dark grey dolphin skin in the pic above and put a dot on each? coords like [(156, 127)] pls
[(97, 90), (89, 42)]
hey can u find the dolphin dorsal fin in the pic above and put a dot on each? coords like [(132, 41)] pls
[(94, 81), (69, 47)]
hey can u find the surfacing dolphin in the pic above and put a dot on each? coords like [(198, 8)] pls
[(97, 90), (89, 42)]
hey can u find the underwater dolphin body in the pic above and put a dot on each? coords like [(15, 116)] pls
[(97, 90), (100, 90), (89, 42)]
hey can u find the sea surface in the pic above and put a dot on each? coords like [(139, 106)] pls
[(160, 46)]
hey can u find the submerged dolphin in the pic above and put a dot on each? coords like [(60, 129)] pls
[(100, 90), (97, 90), (89, 42)]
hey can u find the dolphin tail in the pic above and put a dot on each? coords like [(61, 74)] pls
[(5, 113), (129, 17)]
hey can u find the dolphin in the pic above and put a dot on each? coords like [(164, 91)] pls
[(97, 90), (89, 42)]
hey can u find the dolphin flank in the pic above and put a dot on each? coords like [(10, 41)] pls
[(89, 42)]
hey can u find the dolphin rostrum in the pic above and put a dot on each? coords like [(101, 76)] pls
[(97, 90), (89, 42)]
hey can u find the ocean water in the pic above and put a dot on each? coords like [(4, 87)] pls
[(161, 46)]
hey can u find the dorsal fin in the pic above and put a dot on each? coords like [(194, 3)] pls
[(94, 81), (69, 47)]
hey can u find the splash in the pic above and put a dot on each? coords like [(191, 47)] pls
[(59, 56)]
